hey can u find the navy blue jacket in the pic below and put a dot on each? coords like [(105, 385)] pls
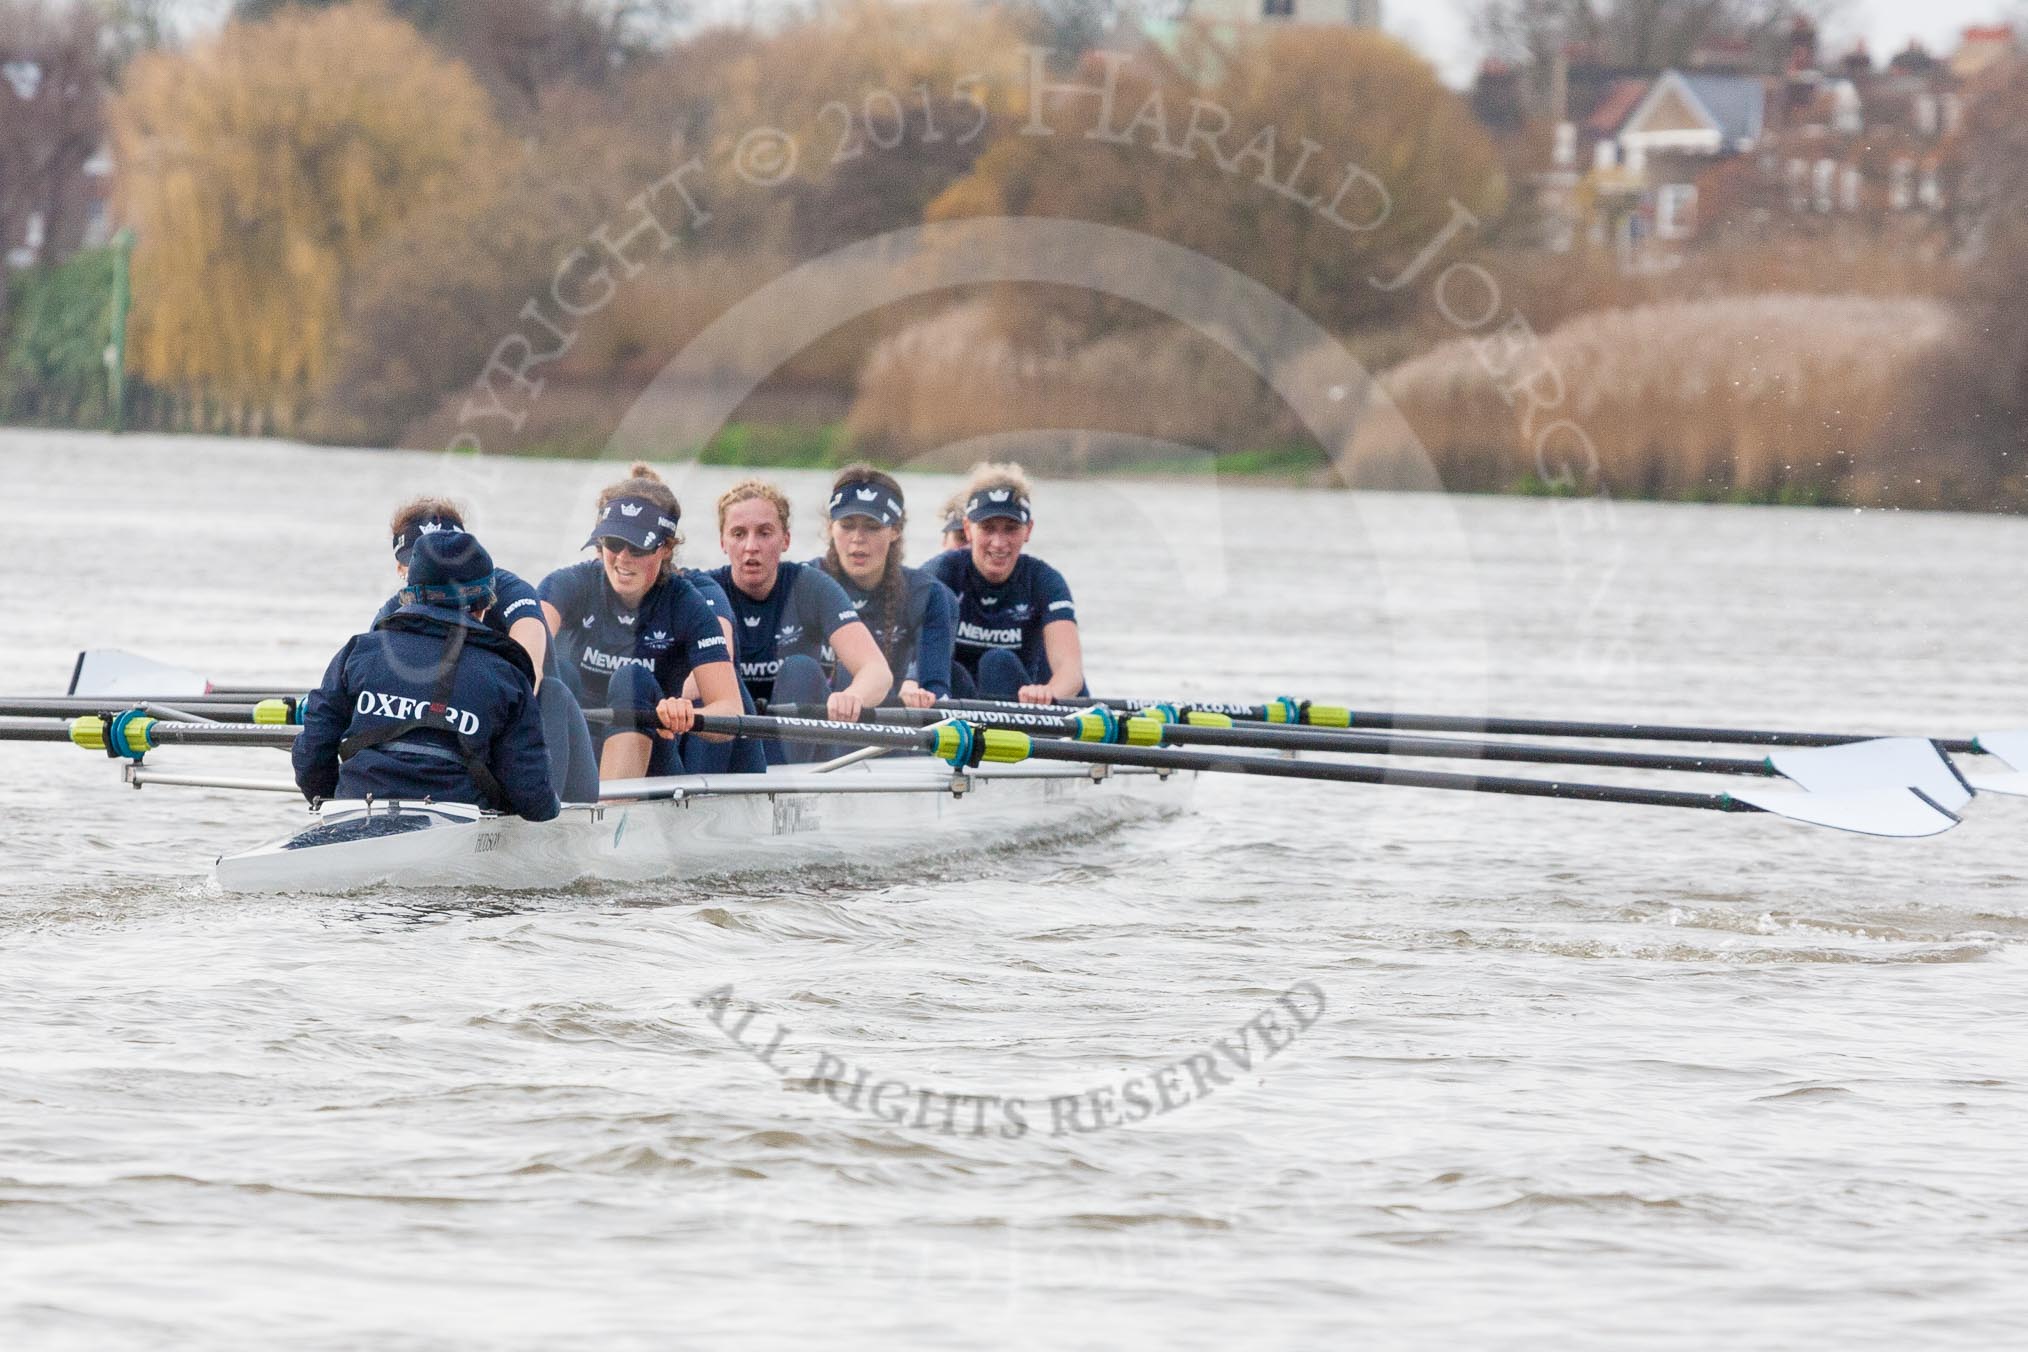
[(1011, 615), (383, 677)]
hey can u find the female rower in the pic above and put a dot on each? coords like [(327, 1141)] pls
[(787, 612), (1017, 626), (954, 521), (516, 614), (912, 615), (631, 634)]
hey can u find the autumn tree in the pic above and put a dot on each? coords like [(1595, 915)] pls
[(886, 103), (258, 169), (1312, 160), (522, 49)]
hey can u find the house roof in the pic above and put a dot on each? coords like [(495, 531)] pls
[(1618, 104), (1736, 103)]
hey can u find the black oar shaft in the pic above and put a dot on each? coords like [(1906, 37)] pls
[(34, 730), (1169, 758), (1336, 740), (1381, 720), (157, 732), (1166, 758), (63, 706)]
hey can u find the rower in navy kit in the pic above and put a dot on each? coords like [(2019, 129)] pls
[(954, 522), (1017, 627), (516, 613), (786, 613), (432, 703), (913, 616), (633, 636)]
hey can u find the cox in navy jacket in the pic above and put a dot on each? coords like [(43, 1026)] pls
[(390, 676)]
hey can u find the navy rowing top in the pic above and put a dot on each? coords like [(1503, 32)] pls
[(805, 608), (672, 632), (917, 642), (1008, 615)]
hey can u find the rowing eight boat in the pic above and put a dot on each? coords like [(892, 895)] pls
[(689, 827)]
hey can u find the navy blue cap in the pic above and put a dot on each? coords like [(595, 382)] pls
[(404, 543), (993, 502), (450, 568), (634, 521), (863, 497)]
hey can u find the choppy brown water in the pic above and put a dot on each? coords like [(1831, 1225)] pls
[(1584, 1076)]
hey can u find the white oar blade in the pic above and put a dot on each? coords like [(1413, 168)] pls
[(1881, 812), (1893, 786), (111, 672), (2011, 748), (1862, 768)]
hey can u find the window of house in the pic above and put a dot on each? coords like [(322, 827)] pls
[(1823, 181), (1676, 210), (1848, 188), (1901, 187), (24, 77)]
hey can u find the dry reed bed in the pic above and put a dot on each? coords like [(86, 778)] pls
[(956, 376), (1760, 397)]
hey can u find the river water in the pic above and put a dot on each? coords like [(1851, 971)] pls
[(1548, 1074)]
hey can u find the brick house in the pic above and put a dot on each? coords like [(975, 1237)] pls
[(1647, 162)]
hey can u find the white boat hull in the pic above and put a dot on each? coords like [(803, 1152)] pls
[(692, 827)]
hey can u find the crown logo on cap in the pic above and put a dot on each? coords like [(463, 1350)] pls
[(1000, 494), (868, 494), (630, 509)]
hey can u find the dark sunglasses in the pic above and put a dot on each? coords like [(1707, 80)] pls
[(612, 546)]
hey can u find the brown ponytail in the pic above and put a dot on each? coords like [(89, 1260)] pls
[(890, 597)]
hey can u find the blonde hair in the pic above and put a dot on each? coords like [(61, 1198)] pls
[(952, 510), (422, 509), (987, 477), (643, 482), (750, 490)]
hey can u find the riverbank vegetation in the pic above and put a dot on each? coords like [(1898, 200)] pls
[(529, 227)]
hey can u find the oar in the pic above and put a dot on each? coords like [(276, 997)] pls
[(1099, 725), (207, 708), (1292, 711), (1890, 811), (133, 734)]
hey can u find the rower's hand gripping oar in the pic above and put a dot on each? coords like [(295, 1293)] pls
[(1897, 809)]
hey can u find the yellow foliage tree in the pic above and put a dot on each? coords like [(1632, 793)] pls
[(1312, 159), (840, 125), (257, 169)]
